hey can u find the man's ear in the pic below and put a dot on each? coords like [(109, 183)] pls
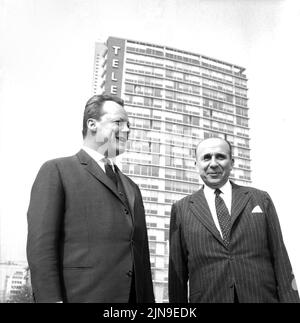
[(91, 124), (232, 162)]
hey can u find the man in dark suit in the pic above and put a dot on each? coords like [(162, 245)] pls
[(87, 236), (225, 239)]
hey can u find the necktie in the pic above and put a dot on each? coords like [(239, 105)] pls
[(109, 171), (115, 177), (223, 216)]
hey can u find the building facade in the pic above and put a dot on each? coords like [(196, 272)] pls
[(174, 99), (13, 276)]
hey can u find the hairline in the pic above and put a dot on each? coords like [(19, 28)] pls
[(221, 139)]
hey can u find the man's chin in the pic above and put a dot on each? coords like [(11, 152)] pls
[(217, 183)]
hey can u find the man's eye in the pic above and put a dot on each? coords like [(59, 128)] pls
[(120, 123)]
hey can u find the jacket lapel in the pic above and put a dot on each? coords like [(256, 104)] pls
[(129, 191), (94, 169), (240, 197), (200, 208)]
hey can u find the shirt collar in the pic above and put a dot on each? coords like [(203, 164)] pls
[(96, 155)]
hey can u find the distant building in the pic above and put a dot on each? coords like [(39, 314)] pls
[(174, 98), (13, 275), (15, 283)]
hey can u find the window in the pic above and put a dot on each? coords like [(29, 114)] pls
[(241, 102), (241, 121), (195, 121), (155, 159), (242, 112), (186, 119), (154, 147)]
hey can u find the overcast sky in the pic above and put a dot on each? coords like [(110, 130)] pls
[(46, 66)]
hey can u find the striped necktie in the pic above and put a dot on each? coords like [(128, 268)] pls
[(223, 216)]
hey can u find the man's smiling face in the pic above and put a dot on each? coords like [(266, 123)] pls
[(214, 161), (113, 129)]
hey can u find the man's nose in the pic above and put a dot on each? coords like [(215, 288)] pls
[(125, 127), (213, 162)]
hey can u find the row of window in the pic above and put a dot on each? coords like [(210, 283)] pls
[(147, 159), (153, 171), (154, 159), (189, 78), (185, 130), (175, 148), (146, 50), (217, 85), (177, 60), (185, 118), (178, 71), (190, 95), (157, 125), (174, 174), (185, 108), (137, 88), (16, 287), (143, 90), (178, 86), (182, 97), (181, 187)]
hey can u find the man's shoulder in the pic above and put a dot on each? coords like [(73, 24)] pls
[(253, 190), (59, 163), (185, 200), (61, 160)]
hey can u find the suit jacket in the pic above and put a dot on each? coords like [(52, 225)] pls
[(255, 264), (83, 241)]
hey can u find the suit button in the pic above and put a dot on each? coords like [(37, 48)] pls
[(126, 211), (129, 273), (121, 193)]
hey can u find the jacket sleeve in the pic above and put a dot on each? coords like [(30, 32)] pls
[(178, 263), (148, 284), (286, 284), (45, 215)]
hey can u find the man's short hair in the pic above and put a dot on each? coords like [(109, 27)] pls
[(228, 143), (94, 108)]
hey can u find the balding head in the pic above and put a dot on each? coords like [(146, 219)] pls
[(214, 160), (217, 141)]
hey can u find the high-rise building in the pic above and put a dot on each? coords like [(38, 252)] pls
[(174, 99), (13, 275)]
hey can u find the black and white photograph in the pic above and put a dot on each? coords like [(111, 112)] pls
[(149, 151)]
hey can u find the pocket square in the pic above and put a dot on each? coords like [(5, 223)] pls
[(257, 209)]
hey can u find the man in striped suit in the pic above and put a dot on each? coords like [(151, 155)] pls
[(226, 241)]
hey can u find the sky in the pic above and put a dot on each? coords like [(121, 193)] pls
[(46, 69)]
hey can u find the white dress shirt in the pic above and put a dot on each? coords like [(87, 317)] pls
[(210, 196), (98, 157)]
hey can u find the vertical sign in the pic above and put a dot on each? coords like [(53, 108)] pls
[(115, 62)]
